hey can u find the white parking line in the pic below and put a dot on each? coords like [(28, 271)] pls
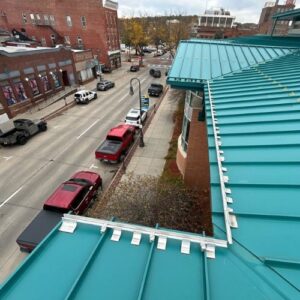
[(93, 167), (7, 157), (11, 196), (87, 129)]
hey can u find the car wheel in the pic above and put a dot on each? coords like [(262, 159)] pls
[(21, 140), (121, 158), (96, 96), (43, 127)]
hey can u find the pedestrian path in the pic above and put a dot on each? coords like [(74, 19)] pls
[(150, 160)]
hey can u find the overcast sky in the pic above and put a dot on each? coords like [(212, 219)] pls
[(244, 10)]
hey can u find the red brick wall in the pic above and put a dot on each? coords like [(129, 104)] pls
[(19, 63), (101, 22), (195, 167)]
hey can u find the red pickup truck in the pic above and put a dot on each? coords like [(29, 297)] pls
[(116, 144), (74, 196)]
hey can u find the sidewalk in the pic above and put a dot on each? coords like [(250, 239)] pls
[(54, 104), (150, 160)]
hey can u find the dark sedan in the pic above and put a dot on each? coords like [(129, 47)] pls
[(105, 85), (134, 68)]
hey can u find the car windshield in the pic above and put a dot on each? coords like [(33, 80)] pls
[(132, 118)]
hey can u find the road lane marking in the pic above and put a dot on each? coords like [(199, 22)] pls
[(87, 129), (93, 167), (11, 196), (7, 157)]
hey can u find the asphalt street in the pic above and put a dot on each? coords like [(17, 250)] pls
[(30, 173)]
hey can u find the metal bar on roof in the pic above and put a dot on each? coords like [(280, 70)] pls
[(234, 51), (224, 190), (206, 277), (86, 265), (146, 271), (181, 236)]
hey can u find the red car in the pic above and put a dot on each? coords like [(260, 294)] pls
[(116, 145), (72, 196), (75, 194)]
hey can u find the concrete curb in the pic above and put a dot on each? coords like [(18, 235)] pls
[(58, 111)]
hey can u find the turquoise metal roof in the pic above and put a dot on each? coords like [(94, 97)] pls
[(200, 60), (287, 15), (267, 40), (258, 113), (257, 116)]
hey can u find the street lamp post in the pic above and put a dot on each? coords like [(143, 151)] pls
[(141, 144)]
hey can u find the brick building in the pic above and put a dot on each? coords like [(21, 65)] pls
[(266, 22), (91, 24), (28, 76)]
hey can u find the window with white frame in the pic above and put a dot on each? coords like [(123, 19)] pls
[(67, 40), (43, 42), (24, 18), (79, 41), (69, 21), (38, 18), (52, 20), (83, 21), (46, 20), (32, 18)]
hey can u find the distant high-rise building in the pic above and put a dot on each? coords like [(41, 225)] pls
[(266, 23), (219, 18)]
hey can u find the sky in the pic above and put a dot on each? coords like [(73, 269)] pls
[(245, 11)]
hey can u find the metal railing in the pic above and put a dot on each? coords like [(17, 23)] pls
[(230, 220), (208, 244)]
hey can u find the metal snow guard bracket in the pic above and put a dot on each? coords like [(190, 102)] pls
[(229, 217), (207, 244), (68, 226)]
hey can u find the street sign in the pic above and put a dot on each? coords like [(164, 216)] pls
[(145, 102)]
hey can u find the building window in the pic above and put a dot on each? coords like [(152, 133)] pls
[(46, 20), (45, 82), (20, 90), (43, 42), (8, 93), (67, 40), (185, 133), (52, 20), (34, 86), (38, 18), (83, 21), (79, 42), (32, 18), (24, 18), (69, 21), (55, 79)]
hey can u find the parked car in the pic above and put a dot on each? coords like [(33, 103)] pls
[(85, 96), (118, 140), (134, 118), (134, 68), (104, 85), (20, 130), (155, 89), (106, 69), (155, 73), (74, 195), (159, 52), (167, 70)]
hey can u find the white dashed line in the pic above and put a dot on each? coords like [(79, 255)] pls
[(11, 196), (87, 129)]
